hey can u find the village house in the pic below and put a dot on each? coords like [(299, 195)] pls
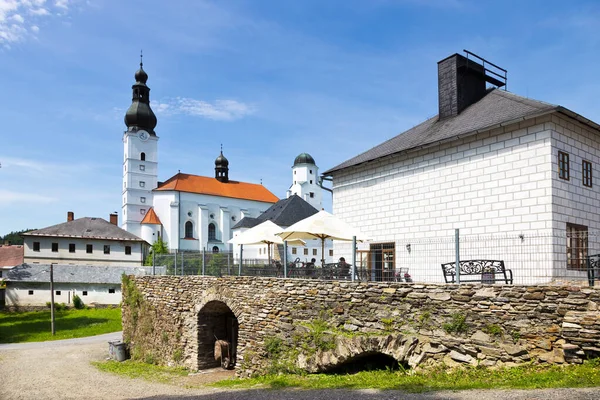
[(491, 163), (85, 241)]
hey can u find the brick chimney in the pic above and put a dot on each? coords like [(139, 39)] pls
[(461, 82), (70, 216), (114, 219)]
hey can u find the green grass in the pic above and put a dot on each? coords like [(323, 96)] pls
[(34, 326), (135, 369), (525, 377)]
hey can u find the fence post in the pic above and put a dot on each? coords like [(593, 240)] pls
[(285, 258), (175, 263), (457, 249), (353, 273), (241, 259), (203, 261), (228, 263)]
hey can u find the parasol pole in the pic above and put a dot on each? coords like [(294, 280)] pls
[(322, 251)]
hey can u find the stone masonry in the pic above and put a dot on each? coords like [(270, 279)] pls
[(419, 325)]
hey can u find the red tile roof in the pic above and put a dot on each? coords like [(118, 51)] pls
[(11, 256), (151, 218), (211, 186)]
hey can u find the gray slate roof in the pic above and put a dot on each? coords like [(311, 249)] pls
[(76, 273), (86, 228), (497, 107), (284, 213)]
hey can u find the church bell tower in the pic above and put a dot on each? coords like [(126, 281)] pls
[(140, 161)]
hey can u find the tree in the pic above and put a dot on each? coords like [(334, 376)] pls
[(14, 237), (158, 247)]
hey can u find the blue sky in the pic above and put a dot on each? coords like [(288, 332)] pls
[(267, 79)]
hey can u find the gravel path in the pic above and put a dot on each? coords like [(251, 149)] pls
[(62, 370)]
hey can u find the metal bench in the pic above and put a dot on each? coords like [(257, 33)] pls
[(481, 271)]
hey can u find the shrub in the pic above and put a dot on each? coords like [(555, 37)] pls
[(457, 325), (78, 303), (274, 347)]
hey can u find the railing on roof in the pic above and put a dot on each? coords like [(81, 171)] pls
[(500, 75)]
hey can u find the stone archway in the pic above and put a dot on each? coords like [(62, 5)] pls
[(216, 321)]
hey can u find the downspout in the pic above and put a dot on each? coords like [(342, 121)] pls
[(320, 183)]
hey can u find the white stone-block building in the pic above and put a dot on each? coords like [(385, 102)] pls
[(490, 163), (85, 241), (29, 284)]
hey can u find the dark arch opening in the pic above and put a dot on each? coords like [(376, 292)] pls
[(217, 325), (143, 156), (374, 361), (189, 230)]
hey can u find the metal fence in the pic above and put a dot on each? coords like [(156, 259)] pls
[(531, 258)]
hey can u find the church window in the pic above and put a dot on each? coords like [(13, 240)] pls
[(55, 247), (189, 230), (107, 249), (143, 211), (305, 252), (143, 156), (294, 251), (36, 246), (89, 249), (311, 195), (215, 249), (142, 199), (142, 167), (212, 232), (142, 184), (71, 247), (311, 181), (310, 171), (127, 250)]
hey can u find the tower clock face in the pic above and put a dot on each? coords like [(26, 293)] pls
[(143, 135)]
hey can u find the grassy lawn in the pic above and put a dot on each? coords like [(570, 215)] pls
[(526, 377), (533, 376), (35, 326)]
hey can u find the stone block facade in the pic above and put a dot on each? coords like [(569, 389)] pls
[(165, 321)]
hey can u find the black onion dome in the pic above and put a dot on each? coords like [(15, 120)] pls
[(140, 115), (141, 75), (221, 161), (304, 158)]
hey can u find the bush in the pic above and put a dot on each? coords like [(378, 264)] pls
[(78, 303)]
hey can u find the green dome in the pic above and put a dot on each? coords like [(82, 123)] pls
[(304, 158)]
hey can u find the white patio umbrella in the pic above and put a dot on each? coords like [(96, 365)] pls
[(321, 225), (264, 233)]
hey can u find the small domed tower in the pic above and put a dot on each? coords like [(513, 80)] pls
[(222, 168), (305, 181)]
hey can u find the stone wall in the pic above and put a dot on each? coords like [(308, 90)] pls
[(417, 324)]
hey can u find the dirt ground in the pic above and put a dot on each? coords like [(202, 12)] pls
[(62, 370)]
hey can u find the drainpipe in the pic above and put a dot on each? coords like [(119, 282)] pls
[(320, 183)]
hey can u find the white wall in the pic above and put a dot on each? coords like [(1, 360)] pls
[(498, 182), (17, 293), (198, 208), (116, 257)]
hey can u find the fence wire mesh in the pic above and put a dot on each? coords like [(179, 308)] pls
[(531, 257)]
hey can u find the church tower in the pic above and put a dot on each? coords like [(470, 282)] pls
[(140, 161), (305, 178)]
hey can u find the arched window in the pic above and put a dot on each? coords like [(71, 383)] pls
[(143, 156), (215, 249), (212, 232), (189, 230)]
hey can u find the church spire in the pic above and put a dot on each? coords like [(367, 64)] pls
[(140, 115)]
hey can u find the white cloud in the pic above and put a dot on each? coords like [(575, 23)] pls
[(11, 18), (221, 110), (8, 197), (18, 18)]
